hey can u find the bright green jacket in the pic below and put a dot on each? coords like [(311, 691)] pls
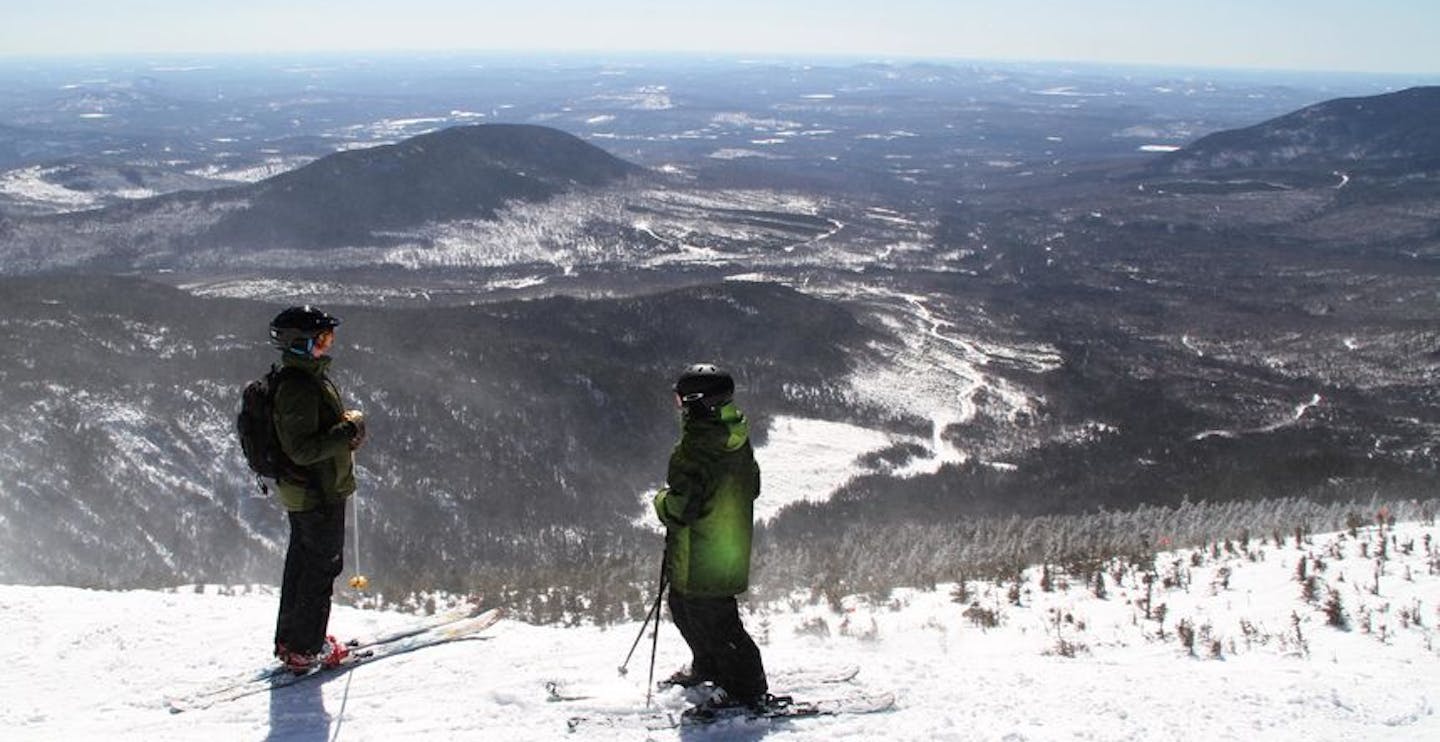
[(707, 506), (309, 424)]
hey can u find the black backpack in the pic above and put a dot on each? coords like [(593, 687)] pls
[(256, 426)]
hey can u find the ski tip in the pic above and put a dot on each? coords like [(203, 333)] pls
[(873, 702)]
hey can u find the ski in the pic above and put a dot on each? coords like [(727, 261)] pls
[(272, 671), (787, 709), (795, 677), (387, 645), (453, 615)]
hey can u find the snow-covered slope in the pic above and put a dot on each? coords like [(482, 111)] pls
[(1062, 664)]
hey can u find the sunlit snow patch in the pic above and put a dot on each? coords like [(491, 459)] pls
[(30, 184), (735, 153), (808, 460)]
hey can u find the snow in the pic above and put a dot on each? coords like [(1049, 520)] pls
[(1068, 91), (31, 184), (802, 460), (746, 121), (808, 460), (391, 129), (645, 98), (736, 153), (269, 167), (1064, 664), (937, 372), (1285, 422)]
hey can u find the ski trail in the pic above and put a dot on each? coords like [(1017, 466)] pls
[(934, 372), (1294, 419), (1300, 411)]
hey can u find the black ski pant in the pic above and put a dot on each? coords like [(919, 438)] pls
[(723, 652), (313, 560)]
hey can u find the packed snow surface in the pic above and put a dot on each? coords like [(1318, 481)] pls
[(1264, 660)]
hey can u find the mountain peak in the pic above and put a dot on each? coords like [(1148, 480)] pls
[(464, 172), (1394, 131)]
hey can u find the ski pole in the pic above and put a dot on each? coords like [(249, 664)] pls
[(359, 581), (654, 643), (654, 613)]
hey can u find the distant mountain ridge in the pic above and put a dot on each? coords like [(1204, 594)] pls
[(359, 198), (465, 172), (1395, 132)]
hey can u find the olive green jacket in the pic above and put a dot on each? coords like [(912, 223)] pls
[(707, 506), (313, 433)]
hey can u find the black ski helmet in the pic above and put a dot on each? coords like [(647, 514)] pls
[(296, 328), (704, 385)]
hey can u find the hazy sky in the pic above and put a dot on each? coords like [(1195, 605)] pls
[(1341, 35)]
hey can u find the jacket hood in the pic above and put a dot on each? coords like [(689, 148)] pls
[(728, 430)]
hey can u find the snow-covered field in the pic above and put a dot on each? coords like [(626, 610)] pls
[(809, 460), (1264, 663)]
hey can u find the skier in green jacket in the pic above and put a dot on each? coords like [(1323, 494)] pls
[(318, 435), (707, 509)]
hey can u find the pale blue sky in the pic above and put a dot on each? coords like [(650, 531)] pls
[(1339, 35)]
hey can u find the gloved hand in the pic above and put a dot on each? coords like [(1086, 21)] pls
[(356, 419), (662, 511)]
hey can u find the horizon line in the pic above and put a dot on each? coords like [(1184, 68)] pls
[(715, 56)]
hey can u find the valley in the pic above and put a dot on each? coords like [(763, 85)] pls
[(948, 293)]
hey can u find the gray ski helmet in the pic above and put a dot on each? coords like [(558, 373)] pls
[(705, 385), (295, 329)]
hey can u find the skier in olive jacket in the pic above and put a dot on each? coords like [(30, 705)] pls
[(707, 509), (318, 436)]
